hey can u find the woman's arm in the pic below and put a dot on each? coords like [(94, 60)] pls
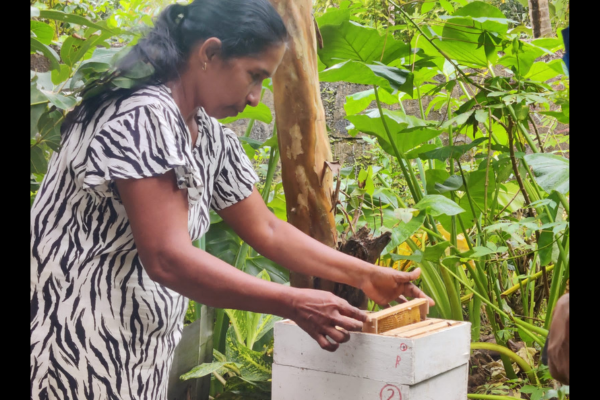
[(158, 216), (283, 243)]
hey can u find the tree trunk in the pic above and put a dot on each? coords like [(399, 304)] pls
[(302, 134), (305, 151), (539, 13)]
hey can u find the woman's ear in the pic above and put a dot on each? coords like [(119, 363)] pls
[(210, 48)]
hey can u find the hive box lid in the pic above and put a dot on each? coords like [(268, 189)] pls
[(389, 357)]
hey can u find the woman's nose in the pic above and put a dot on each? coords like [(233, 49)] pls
[(254, 96)]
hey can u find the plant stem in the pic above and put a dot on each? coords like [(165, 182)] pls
[(526, 281), (503, 350), (410, 179)]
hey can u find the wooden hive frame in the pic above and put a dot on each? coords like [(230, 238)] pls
[(395, 317)]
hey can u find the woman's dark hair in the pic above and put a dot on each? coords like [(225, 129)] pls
[(245, 28)]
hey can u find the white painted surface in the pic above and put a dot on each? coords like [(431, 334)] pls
[(377, 357), (291, 383)]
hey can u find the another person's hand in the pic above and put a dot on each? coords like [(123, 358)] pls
[(558, 341), (384, 285), (322, 314)]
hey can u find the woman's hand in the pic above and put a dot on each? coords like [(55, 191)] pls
[(322, 314), (383, 285)]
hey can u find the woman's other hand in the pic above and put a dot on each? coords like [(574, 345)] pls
[(383, 285), (322, 314)]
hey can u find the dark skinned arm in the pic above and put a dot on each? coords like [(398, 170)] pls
[(158, 214)]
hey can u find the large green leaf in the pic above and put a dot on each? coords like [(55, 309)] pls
[(357, 102), (454, 152), (73, 19), (542, 71), (261, 113), (347, 40), (49, 129), (60, 75), (36, 45), (207, 369), (276, 272), (551, 171), (406, 131), (38, 163), (61, 101), (358, 72), (43, 32), (466, 38), (402, 231), (249, 326), (222, 242), (435, 204), (256, 366)]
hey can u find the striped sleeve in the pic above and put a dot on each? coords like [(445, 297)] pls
[(236, 178), (141, 143)]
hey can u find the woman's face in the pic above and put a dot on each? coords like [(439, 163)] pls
[(225, 87)]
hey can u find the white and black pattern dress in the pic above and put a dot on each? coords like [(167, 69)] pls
[(100, 327)]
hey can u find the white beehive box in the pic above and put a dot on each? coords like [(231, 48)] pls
[(424, 360)]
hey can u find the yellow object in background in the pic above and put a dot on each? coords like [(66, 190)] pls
[(419, 238)]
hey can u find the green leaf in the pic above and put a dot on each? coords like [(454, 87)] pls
[(60, 75), (365, 179), (426, 7), (421, 149), (69, 49), (402, 231), (206, 369), (417, 257), (453, 183), (38, 163), (547, 251), (222, 242), (435, 176), (358, 72), (435, 204), (406, 131), (551, 171), (276, 272), (447, 6), (480, 251), (72, 18), (347, 40), (260, 113), (36, 45), (48, 127), (357, 102), (465, 44), (61, 101), (256, 366), (434, 253), (43, 32), (454, 152), (35, 113), (543, 71)]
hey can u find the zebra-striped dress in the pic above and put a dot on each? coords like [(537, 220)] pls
[(100, 327)]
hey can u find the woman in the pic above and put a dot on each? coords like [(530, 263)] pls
[(112, 260)]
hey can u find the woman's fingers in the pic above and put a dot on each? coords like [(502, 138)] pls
[(349, 324), (338, 335), (325, 343), (403, 277), (413, 291), (352, 312)]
